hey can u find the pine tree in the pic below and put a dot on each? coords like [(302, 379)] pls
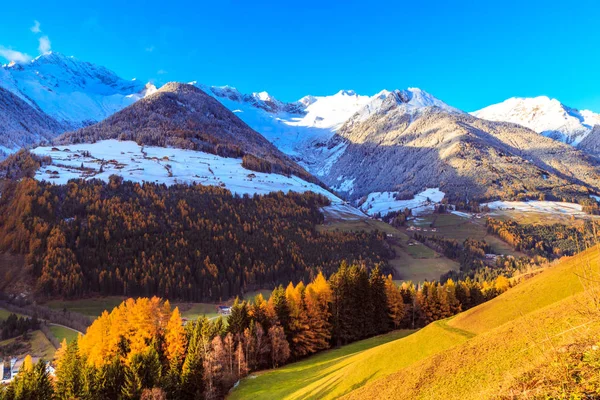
[(260, 312), (380, 317), (69, 379), (192, 373), (110, 379), (32, 382), (132, 385), (144, 371), (318, 300), (278, 302), (300, 337), (238, 319)]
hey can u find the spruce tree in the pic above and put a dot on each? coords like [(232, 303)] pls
[(110, 378), (380, 312), (192, 373), (238, 320), (32, 382), (280, 305), (69, 382)]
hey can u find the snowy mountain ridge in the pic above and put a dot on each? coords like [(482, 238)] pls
[(75, 93), (544, 115), (302, 129)]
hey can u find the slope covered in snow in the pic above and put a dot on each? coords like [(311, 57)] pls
[(170, 166), (298, 129), (411, 100), (304, 129), (386, 202), (22, 125), (544, 115), (183, 116), (74, 93)]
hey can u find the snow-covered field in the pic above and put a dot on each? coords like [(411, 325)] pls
[(550, 207), (384, 202), (163, 165)]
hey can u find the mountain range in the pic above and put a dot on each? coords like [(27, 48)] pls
[(397, 142)]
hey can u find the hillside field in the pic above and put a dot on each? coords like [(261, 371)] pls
[(479, 353), (413, 261)]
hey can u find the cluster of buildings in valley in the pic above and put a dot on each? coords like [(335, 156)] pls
[(419, 229)]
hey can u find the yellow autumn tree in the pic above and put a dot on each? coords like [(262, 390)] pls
[(27, 363), (175, 339), (395, 302), (137, 322)]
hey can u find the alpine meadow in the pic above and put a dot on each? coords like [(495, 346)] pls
[(166, 238)]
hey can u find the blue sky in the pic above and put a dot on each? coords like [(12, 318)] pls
[(469, 53)]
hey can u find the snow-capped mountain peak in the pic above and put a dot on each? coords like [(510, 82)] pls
[(264, 96), (544, 115), (346, 93), (411, 99), (73, 92)]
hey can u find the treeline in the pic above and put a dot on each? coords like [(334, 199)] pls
[(395, 218), (143, 348), (194, 243), (258, 164), (549, 241), (22, 164), (14, 326)]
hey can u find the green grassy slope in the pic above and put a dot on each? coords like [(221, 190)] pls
[(92, 307), (61, 332), (476, 354)]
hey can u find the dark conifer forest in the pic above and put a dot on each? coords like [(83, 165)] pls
[(194, 243)]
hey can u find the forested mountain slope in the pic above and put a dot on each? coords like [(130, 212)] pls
[(23, 125), (183, 116), (189, 242)]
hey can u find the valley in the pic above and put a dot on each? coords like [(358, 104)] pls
[(171, 240)]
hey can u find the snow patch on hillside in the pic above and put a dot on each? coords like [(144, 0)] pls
[(346, 186), (384, 202), (549, 207), (163, 165)]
